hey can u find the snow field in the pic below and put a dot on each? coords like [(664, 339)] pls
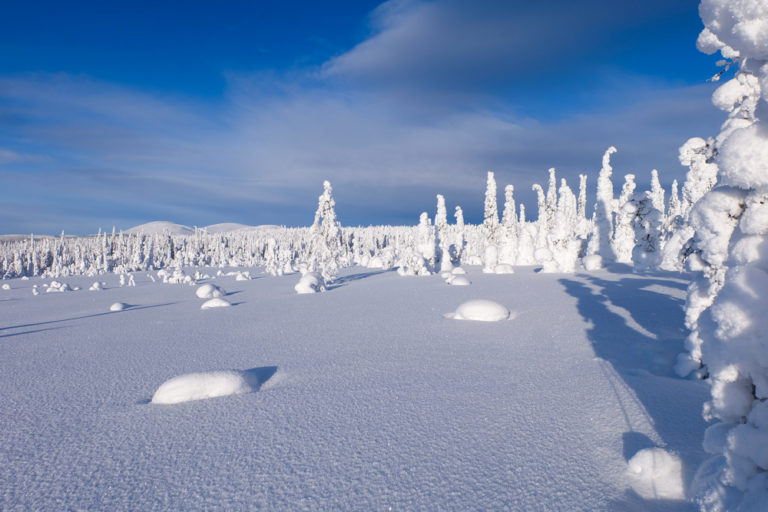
[(387, 404)]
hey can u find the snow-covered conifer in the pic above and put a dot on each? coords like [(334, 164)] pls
[(624, 234), (509, 228), (491, 212), (599, 249), (326, 243), (733, 329)]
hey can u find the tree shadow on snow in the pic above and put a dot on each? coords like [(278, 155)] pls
[(342, 281), (127, 309), (636, 333)]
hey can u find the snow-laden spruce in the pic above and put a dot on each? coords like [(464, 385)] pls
[(732, 240)]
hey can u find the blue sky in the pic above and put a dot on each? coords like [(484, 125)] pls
[(119, 113)]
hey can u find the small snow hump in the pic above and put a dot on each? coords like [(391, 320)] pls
[(118, 306), (480, 310), (209, 291), (656, 474), (458, 280), (199, 386), (215, 303)]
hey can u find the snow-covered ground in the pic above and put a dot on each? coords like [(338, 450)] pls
[(363, 397)]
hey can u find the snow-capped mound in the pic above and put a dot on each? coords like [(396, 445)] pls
[(215, 303), (458, 271), (480, 310), (376, 262), (592, 262), (161, 227), (656, 474), (209, 291), (311, 282), (198, 386), (56, 286), (96, 286), (6, 286), (118, 306), (458, 281), (504, 268)]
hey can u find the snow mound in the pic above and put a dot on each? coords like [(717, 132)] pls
[(6, 286), (56, 286), (310, 282), (210, 291), (198, 386), (655, 473), (457, 271), (118, 306), (480, 310), (96, 286), (458, 281), (215, 303), (504, 268)]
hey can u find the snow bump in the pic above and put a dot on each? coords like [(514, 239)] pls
[(480, 310)]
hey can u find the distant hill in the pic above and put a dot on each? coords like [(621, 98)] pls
[(163, 227)]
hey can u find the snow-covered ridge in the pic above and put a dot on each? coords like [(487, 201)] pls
[(171, 228)]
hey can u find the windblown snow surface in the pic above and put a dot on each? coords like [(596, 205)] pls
[(363, 397)]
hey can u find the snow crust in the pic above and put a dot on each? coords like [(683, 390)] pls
[(199, 386)]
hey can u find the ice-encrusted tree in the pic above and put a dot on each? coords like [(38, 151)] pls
[(459, 240), (509, 228), (599, 249), (491, 211), (623, 232), (326, 243), (443, 238), (734, 329)]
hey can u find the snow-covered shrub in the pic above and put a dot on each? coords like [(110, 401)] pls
[(310, 282)]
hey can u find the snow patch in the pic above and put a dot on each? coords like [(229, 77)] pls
[(655, 473), (480, 310)]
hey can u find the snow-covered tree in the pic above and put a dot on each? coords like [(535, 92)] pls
[(734, 329), (443, 238), (509, 228), (491, 211), (326, 243), (623, 233), (599, 249)]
